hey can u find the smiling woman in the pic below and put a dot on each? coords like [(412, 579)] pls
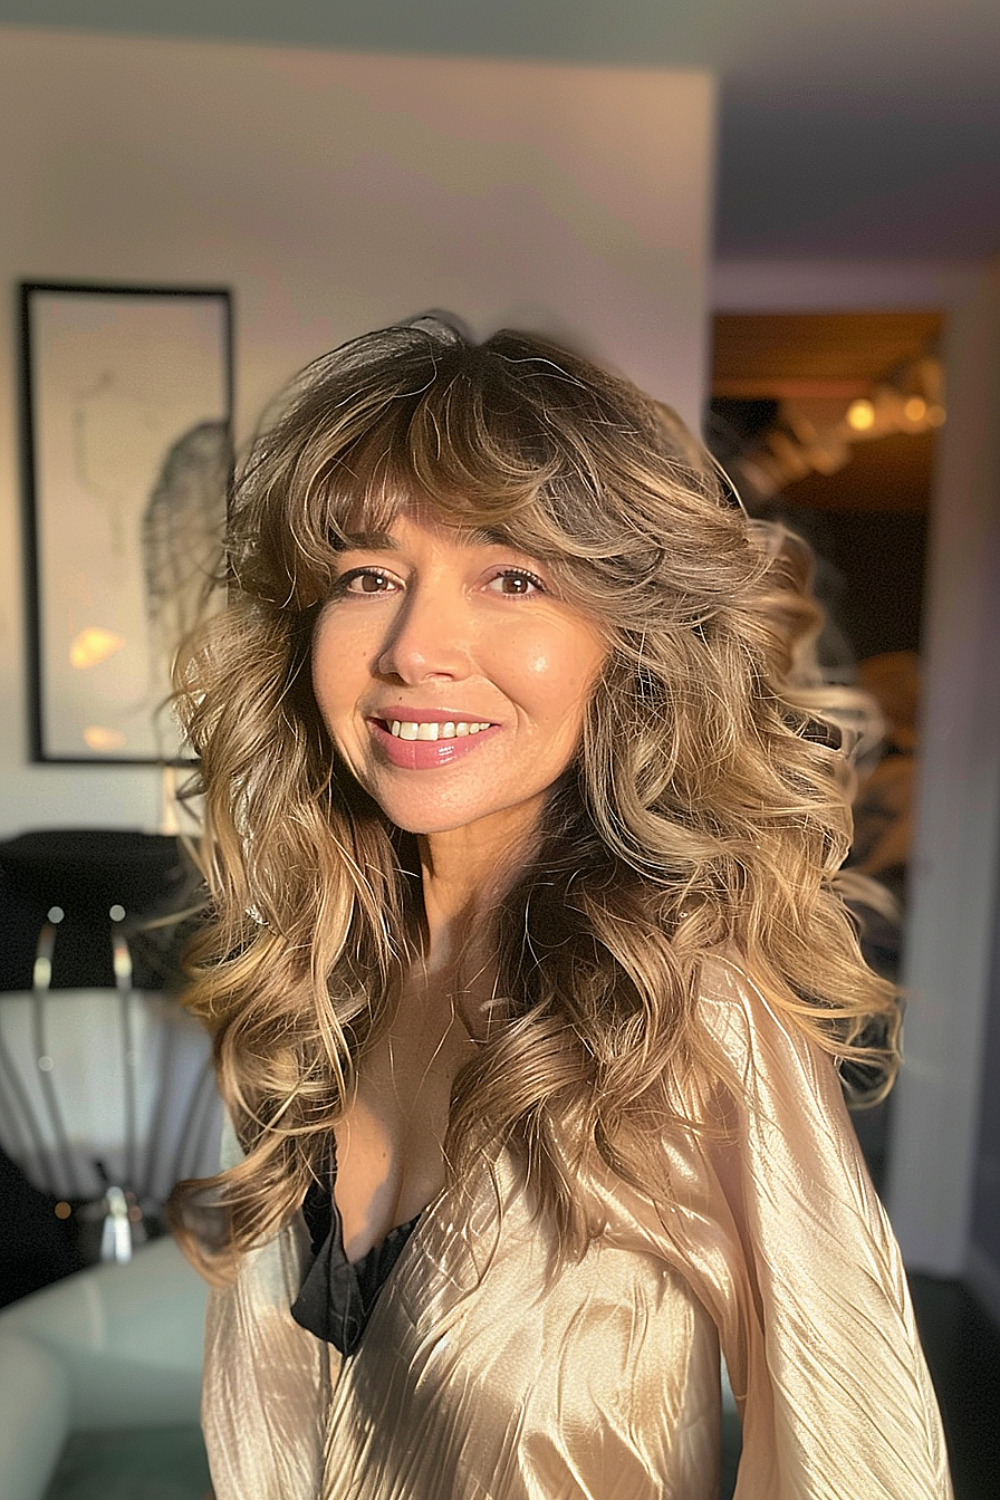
[(444, 653), (528, 965)]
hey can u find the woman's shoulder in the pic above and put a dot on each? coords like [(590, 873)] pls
[(727, 1009), (743, 1023)]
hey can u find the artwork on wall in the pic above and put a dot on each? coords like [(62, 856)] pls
[(127, 413)]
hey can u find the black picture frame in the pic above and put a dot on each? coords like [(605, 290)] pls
[(126, 426)]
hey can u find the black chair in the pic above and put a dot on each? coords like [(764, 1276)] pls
[(90, 939)]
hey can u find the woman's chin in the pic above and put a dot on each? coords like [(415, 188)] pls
[(499, 828)]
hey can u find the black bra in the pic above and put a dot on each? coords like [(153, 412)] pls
[(337, 1295)]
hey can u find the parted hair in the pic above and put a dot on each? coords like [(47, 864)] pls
[(707, 808)]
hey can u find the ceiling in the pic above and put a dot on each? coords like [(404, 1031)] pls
[(817, 355), (810, 367), (856, 129)]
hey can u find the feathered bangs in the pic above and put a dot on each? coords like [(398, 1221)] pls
[(506, 439)]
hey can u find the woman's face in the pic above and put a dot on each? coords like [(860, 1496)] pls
[(452, 678)]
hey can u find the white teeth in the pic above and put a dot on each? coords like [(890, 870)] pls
[(406, 729)]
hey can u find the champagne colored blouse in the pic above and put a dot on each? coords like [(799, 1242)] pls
[(480, 1376)]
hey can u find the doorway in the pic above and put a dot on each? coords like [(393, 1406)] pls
[(828, 423)]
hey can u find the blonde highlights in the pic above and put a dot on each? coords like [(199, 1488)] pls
[(709, 806)]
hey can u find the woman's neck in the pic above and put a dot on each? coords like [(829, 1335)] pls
[(464, 873)]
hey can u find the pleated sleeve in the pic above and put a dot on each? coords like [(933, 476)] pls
[(787, 1242)]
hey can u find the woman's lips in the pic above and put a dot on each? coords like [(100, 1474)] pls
[(423, 754)]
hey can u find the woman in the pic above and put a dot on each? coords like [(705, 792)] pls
[(528, 969)]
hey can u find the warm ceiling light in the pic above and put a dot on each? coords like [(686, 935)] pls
[(861, 415), (915, 409), (935, 415)]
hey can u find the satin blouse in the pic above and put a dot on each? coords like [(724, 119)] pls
[(481, 1376)]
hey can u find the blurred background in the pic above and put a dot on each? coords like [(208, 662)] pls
[(783, 221)]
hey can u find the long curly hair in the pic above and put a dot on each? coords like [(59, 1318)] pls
[(708, 807)]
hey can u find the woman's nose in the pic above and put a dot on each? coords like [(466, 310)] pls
[(429, 637)]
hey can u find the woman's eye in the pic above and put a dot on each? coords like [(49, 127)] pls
[(516, 582), (366, 581)]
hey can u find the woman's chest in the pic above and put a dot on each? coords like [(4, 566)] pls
[(390, 1160), (479, 1374)]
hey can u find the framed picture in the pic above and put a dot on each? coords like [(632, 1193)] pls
[(126, 430)]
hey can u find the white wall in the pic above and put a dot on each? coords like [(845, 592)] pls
[(335, 193)]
